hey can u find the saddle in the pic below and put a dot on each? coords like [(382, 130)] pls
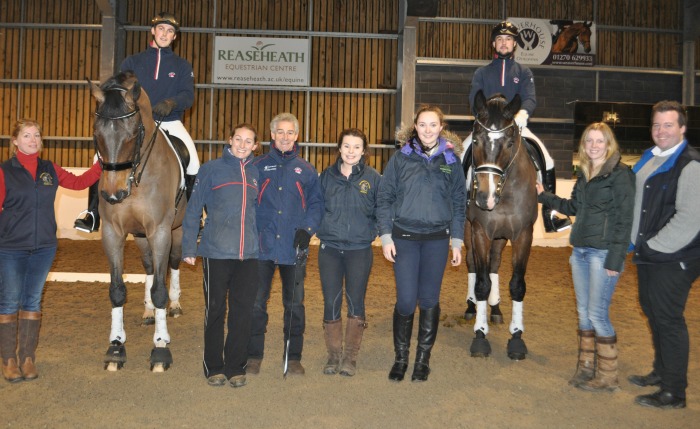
[(180, 149)]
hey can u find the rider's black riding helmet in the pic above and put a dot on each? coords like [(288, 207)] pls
[(166, 18), (504, 28)]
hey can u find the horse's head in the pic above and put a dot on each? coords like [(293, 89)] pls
[(119, 131), (585, 35), (495, 144)]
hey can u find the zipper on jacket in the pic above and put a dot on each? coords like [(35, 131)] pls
[(244, 202), (157, 71)]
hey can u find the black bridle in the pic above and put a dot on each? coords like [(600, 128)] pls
[(493, 169), (136, 158)]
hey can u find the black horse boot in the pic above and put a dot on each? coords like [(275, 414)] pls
[(427, 332), (552, 223), (403, 328), (91, 221)]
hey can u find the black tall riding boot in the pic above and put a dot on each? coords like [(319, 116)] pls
[(91, 221), (403, 328), (189, 184), (552, 223), (427, 332)]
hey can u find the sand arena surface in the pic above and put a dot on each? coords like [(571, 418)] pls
[(73, 390)]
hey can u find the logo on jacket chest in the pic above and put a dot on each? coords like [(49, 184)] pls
[(171, 75), (46, 179), (297, 170), (364, 187)]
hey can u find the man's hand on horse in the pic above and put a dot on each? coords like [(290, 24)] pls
[(521, 118), (189, 259), (164, 108)]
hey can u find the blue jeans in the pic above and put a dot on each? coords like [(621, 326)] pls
[(22, 277), (594, 290), (353, 266), (419, 268), (294, 312)]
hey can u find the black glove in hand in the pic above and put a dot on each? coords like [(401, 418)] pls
[(164, 108), (302, 239)]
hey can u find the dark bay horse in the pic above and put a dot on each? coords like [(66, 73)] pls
[(502, 207), (142, 192), (571, 35)]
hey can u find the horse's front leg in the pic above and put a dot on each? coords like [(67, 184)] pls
[(521, 253), (114, 249), (175, 308), (160, 241), (494, 299), (481, 246), (149, 315)]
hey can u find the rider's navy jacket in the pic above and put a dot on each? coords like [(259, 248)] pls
[(27, 219), (437, 187), (163, 74), (289, 198), (349, 221), (507, 77), (228, 188)]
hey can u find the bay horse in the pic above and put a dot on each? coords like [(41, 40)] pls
[(571, 35), (142, 189), (502, 207)]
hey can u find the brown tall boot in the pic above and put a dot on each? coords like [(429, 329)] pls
[(333, 334), (29, 323), (353, 338), (8, 347), (606, 374), (585, 368)]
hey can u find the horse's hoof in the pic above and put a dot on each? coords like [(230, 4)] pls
[(480, 346), (497, 319), (516, 347), (470, 312), (115, 356), (113, 366), (161, 359), (468, 315), (148, 321), (175, 312)]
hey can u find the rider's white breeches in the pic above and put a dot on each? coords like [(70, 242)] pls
[(177, 129)]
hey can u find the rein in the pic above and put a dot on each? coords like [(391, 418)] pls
[(494, 169), (135, 163)]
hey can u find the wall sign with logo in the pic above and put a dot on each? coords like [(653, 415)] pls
[(261, 61), (556, 42)]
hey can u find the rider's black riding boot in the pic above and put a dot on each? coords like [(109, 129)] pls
[(189, 184), (91, 221), (427, 332), (403, 328), (552, 223)]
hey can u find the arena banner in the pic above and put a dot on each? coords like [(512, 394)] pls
[(555, 42), (261, 61)]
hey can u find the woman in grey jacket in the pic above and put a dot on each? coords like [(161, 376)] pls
[(603, 203), (228, 188), (347, 230)]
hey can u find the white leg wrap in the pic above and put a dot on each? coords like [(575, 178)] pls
[(471, 283), (161, 334), (495, 295), (481, 323), (174, 293), (516, 322), (147, 295), (117, 333)]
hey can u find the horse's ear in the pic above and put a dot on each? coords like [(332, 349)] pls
[(479, 103), (514, 106), (96, 91), (136, 91), (588, 24)]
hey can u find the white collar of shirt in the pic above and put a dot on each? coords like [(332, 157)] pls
[(658, 152)]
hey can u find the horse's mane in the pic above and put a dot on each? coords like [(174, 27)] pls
[(114, 103)]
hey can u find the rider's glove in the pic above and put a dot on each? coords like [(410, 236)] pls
[(521, 118), (164, 108), (302, 239)]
